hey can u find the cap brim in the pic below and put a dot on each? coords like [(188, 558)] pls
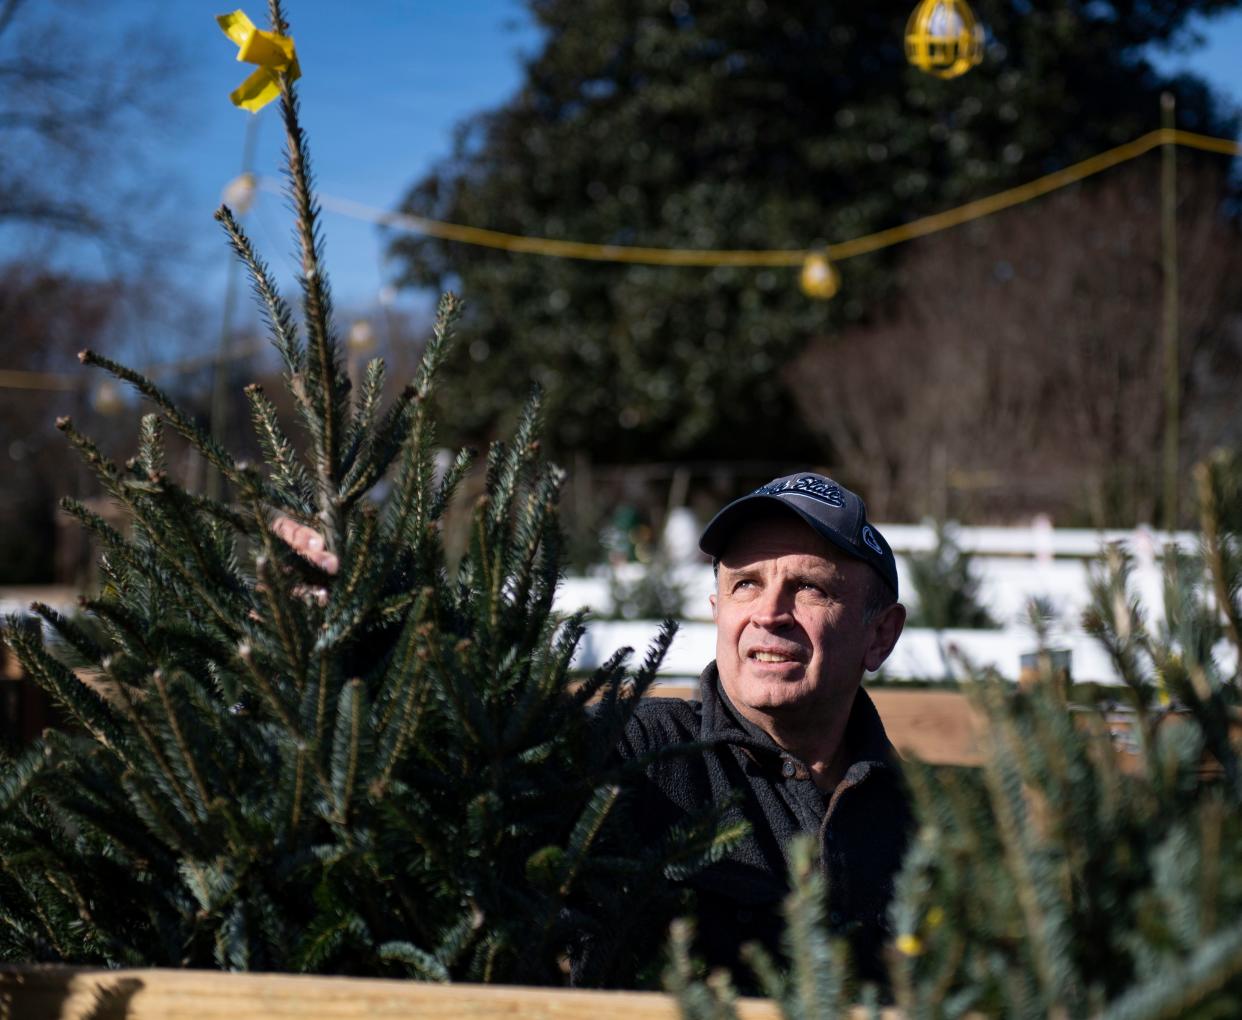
[(719, 530)]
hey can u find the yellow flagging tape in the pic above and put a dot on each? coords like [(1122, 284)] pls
[(14, 379), (758, 258), (583, 250), (1026, 192), (695, 257), (272, 52)]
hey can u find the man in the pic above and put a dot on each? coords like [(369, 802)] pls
[(805, 602)]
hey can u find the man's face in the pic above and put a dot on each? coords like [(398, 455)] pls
[(790, 635)]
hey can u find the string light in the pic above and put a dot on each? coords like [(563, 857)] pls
[(361, 336), (107, 399), (239, 193), (944, 38), (819, 278), (927, 225)]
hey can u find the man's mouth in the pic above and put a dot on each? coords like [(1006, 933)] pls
[(762, 656)]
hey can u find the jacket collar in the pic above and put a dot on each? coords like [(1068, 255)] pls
[(865, 738)]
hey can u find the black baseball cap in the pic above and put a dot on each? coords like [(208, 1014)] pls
[(830, 509)]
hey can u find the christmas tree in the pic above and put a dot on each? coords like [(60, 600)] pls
[(1093, 865), (400, 777)]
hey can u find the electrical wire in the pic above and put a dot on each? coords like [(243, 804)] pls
[(695, 257)]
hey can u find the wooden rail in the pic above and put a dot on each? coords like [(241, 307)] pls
[(68, 993)]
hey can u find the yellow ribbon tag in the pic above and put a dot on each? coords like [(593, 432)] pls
[(273, 53)]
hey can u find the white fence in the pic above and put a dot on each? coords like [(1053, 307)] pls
[(921, 653), (1013, 565)]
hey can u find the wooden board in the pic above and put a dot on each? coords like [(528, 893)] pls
[(938, 727), (66, 993)]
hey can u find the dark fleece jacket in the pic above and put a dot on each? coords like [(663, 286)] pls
[(862, 826)]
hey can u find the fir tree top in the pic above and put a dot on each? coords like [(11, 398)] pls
[(402, 780)]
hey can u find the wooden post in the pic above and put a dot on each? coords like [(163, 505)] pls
[(1172, 373)]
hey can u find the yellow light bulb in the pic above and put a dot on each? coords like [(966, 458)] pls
[(819, 278), (361, 336), (944, 38), (107, 398)]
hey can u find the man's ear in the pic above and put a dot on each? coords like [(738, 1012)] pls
[(885, 630), (712, 599)]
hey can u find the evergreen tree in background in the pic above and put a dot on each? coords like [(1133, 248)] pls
[(1092, 867), (946, 590), (397, 779), (756, 125)]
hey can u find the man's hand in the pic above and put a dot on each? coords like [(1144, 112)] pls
[(309, 544), (306, 542)]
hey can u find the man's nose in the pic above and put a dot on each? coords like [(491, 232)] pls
[(774, 609)]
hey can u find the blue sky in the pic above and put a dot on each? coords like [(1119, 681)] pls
[(384, 83)]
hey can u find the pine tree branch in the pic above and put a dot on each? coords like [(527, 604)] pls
[(299, 785), (214, 453), (179, 741), (406, 656), (129, 629), (69, 632), (150, 809), (95, 524), (21, 774), (346, 747), (698, 1000), (133, 714), (375, 459), (362, 425), (322, 692), (273, 699), (293, 486), (400, 733), (1006, 772), (276, 310), (83, 703), (326, 383), (619, 701), (443, 333), (151, 445), (543, 693), (358, 589), (282, 613), (462, 462), (423, 965), (457, 680), (408, 513), (532, 532), (1176, 990), (407, 414), (184, 508), (610, 673)]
